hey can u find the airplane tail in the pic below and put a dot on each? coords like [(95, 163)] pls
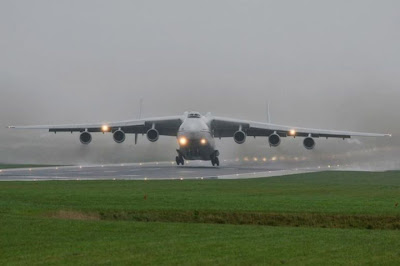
[(140, 107), (268, 113)]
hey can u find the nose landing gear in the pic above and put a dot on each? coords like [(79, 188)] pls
[(179, 160), (215, 161), (214, 158)]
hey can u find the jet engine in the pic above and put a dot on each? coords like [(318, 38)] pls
[(239, 137), (274, 140), (309, 143), (85, 138), (153, 135), (119, 136)]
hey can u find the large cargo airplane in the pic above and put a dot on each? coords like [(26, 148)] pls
[(196, 133)]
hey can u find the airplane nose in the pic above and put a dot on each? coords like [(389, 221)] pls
[(189, 135), (188, 138), (191, 129)]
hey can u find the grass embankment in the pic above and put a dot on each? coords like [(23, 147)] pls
[(161, 221)]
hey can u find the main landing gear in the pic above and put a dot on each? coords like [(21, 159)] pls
[(179, 160)]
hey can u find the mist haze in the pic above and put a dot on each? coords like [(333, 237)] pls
[(331, 65)]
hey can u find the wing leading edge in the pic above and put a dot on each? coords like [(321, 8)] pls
[(226, 127), (167, 126)]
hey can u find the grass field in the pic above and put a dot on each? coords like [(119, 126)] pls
[(318, 218)]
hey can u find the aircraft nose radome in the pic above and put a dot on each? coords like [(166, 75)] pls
[(191, 128), (191, 134)]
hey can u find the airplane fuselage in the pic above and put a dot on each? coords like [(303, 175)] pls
[(195, 139)]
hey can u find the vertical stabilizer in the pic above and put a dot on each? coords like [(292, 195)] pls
[(140, 107), (268, 113)]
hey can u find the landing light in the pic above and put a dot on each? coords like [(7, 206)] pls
[(292, 132), (203, 141), (183, 141), (105, 128)]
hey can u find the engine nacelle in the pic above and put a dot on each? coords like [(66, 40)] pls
[(309, 143), (239, 137), (119, 136), (274, 140), (152, 135), (85, 137)]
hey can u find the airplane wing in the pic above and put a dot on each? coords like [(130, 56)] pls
[(167, 126), (226, 127)]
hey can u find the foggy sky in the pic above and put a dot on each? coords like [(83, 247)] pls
[(321, 64)]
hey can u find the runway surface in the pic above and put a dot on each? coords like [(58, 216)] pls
[(150, 171)]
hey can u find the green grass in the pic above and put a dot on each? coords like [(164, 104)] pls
[(35, 241), (204, 221)]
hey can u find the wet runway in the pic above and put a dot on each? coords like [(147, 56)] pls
[(150, 171)]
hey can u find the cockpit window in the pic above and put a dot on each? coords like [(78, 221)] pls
[(194, 115)]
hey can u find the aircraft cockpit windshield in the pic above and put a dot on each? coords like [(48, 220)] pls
[(194, 115)]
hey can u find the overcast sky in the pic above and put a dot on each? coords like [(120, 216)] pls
[(321, 64)]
